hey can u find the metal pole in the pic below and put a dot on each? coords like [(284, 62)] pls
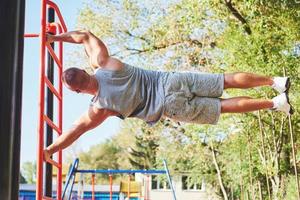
[(49, 131), (128, 191), (110, 186), (169, 179), (40, 143), (11, 76), (93, 186)]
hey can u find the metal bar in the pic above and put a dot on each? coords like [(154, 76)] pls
[(52, 52), (40, 143), (110, 187), (147, 195), (128, 191), (11, 77), (51, 123), (54, 163), (169, 179), (120, 171), (60, 111), (93, 186), (55, 7), (52, 88), (71, 173), (47, 198), (31, 35), (49, 109)]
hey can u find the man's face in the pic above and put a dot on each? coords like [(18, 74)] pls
[(79, 83)]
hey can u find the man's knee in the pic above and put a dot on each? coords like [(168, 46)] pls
[(228, 80)]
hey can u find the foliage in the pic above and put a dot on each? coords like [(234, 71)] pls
[(244, 153), (28, 170), (22, 180), (143, 155)]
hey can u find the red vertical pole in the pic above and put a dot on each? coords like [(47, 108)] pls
[(39, 185), (93, 186), (110, 186), (60, 110), (148, 187), (128, 191)]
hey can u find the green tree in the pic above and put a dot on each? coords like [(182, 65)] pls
[(246, 155), (22, 179), (143, 155), (28, 170)]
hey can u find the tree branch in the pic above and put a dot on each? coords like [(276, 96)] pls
[(238, 15)]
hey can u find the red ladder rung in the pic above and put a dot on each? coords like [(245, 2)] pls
[(47, 198), (52, 53), (52, 88), (50, 123), (30, 35), (54, 163)]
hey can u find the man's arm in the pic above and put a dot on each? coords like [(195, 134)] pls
[(94, 47), (89, 120)]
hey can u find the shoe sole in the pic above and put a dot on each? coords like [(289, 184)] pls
[(287, 85), (291, 107)]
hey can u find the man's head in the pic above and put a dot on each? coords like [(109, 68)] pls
[(76, 79)]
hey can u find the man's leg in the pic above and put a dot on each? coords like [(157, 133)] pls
[(247, 104), (244, 104), (246, 80)]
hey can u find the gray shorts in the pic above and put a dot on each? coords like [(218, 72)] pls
[(193, 97)]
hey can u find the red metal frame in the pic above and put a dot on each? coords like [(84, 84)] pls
[(93, 186), (61, 27), (110, 186), (128, 191), (30, 35)]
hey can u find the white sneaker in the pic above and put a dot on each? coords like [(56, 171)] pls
[(281, 103), (281, 84)]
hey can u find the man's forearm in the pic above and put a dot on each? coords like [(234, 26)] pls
[(77, 37), (65, 140)]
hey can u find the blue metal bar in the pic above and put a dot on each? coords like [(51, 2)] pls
[(169, 179), (70, 178), (120, 171)]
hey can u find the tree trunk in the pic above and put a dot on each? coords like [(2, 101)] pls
[(264, 153), (225, 195), (260, 192), (250, 165)]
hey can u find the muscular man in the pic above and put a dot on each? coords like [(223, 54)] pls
[(119, 89)]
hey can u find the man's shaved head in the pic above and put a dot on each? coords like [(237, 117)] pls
[(75, 79)]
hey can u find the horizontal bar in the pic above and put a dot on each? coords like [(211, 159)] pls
[(61, 19), (50, 123), (119, 171), (54, 163), (47, 198), (54, 56), (31, 35), (52, 88)]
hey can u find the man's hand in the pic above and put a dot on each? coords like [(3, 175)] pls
[(46, 155), (49, 38)]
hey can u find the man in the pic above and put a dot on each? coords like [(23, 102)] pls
[(119, 89)]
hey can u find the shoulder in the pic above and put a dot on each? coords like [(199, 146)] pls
[(101, 112), (114, 64)]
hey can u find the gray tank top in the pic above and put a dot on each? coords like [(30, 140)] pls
[(132, 92)]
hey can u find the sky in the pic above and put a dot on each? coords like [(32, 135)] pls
[(74, 104)]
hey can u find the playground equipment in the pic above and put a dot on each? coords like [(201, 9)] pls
[(50, 8), (67, 193)]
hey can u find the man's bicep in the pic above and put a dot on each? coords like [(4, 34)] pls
[(96, 50), (92, 118)]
